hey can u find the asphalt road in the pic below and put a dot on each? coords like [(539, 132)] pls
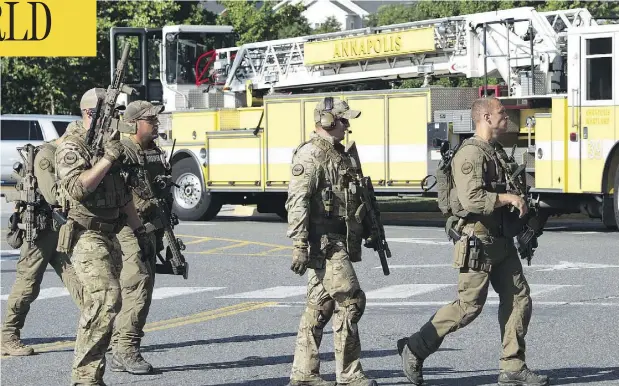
[(234, 320)]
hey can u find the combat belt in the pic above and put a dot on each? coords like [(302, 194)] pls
[(93, 224), (474, 246)]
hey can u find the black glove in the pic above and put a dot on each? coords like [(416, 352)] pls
[(144, 242), (300, 259)]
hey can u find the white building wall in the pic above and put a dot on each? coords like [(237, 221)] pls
[(319, 11)]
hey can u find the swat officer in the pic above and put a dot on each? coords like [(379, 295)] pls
[(484, 254), (137, 277), (98, 202), (34, 259), (326, 239)]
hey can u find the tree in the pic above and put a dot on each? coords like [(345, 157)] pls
[(259, 22), (329, 25)]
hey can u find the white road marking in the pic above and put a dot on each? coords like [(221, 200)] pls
[(158, 293), (10, 253), (46, 293), (411, 240), (564, 265), (279, 292), (169, 292), (196, 224), (401, 291)]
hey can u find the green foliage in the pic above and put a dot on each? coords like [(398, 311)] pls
[(329, 25), (254, 23)]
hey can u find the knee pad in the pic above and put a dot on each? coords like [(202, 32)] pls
[(355, 306)]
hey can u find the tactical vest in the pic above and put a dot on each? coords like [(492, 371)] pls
[(339, 212), (447, 195), (153, 160)]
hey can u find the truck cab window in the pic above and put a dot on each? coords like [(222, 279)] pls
[(599, 62), (184, 49)]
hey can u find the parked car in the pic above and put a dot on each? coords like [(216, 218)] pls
[(19, 129)]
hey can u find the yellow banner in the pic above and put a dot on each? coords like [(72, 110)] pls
[(370, 46), (48, 28)]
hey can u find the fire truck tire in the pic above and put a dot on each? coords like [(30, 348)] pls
[(191, 201), (616, 197)]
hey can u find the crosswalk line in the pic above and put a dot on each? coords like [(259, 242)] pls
[(46, 293), (158, 293), (415, 240), (169, 292), (279, 292), (401, 291)]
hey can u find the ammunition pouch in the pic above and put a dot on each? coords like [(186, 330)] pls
[(468, 254), (67, 236)]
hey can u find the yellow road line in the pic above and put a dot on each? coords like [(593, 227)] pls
[(171, 323), (272, 250), (200, 240), (274, 247), (218, 249)]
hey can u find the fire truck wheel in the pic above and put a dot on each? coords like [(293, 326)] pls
[(191, 201), (616, 197)]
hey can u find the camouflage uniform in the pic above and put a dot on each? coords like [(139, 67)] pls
[(33, 260), (478, 171), (333, 244), (137, 278), (89, 237)]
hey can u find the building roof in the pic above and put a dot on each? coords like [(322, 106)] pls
[(351, 7)]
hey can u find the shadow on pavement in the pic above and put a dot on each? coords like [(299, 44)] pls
[(204, 342)]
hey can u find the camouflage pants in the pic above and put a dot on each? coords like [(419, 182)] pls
[(30, 270), (137, 280), (337, 283), (97, 261), (508, 281)]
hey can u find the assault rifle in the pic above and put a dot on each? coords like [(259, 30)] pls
[(532, 224), (29, 196), (29, 201), (174, 261), (105, 115), (376, 237)]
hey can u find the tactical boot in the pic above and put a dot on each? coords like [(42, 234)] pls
[(14, 347), (314, 382), (411, 364), (360, 382), (524, 377), (131, 362)]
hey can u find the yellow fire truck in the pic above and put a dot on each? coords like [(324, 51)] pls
[(235, 114)]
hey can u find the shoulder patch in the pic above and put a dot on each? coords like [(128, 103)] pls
[(297, 170), (467, 167), (44, 164), (70, 158)]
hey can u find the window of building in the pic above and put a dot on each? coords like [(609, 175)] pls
[(599, 70)]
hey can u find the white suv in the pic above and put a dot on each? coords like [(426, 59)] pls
[(19, 129)]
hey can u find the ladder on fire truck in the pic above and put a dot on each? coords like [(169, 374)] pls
[(515, 44)]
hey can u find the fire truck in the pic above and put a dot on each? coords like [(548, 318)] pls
[(234, 114)]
